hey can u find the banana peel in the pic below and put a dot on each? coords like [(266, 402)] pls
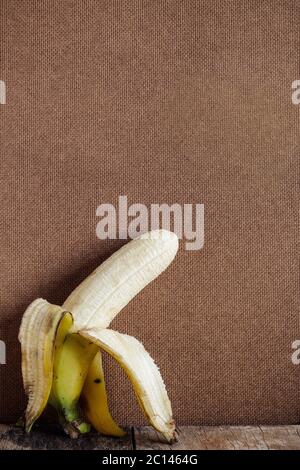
[(43, 326), (94, 400), (143, 375), (61, 358)]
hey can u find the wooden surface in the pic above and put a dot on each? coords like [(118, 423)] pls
[(223, 437), (14, 438), (190, 437)]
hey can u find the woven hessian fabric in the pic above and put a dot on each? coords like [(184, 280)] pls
[(162, 101)]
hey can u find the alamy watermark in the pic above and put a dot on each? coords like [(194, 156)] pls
[(296, 353), (122, 222), (296, 93), (2, 92), (2, 352)]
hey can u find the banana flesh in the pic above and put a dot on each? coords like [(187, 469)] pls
[(101, 296), (61, 361)]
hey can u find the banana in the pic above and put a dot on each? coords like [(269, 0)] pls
[(88, 311), (94, 400), (71, 365), (97, 300), (103, 294), (143, 374), (42, 325)]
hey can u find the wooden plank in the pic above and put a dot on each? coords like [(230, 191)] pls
[(190, 438), (12, 438), (286, 437), (222, 437)]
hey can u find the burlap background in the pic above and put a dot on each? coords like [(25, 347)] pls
[(164, 101)]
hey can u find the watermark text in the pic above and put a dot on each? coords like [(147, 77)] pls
[(296, 93), (2, 352), (2, 92), (130, 221), (296, 353)]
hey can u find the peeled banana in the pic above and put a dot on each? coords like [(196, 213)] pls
[(61, 361)]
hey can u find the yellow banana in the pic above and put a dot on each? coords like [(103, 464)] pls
[(71, 365), (143, 374), (43, 327), (94, 400), (93, 305)]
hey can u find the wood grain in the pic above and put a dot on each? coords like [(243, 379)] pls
[(223, 437), (189, 438)]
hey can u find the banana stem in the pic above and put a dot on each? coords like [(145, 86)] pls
[(71, 429)]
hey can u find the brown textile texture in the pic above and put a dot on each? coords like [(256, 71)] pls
[(164, 101)]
